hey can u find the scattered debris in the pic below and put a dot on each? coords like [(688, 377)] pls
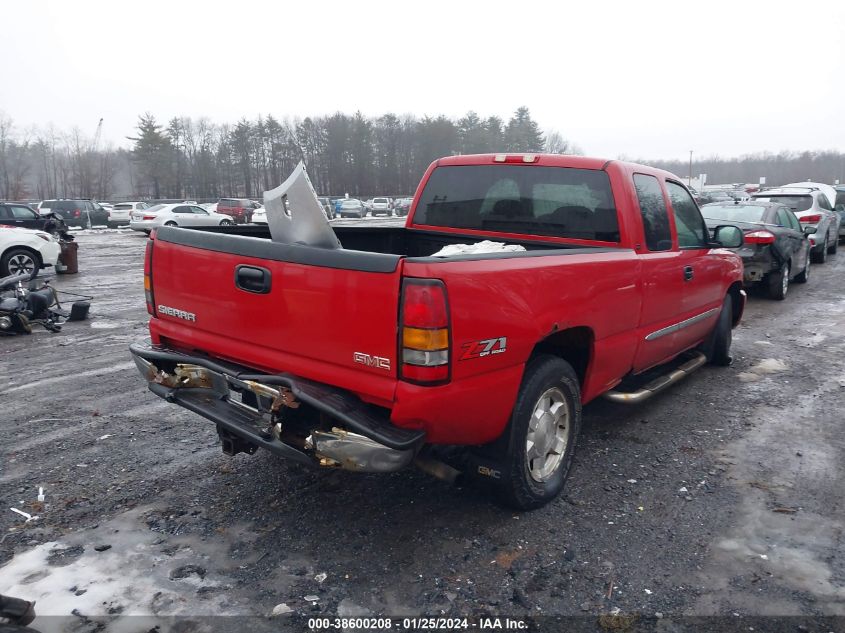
[(321, 578), (312, 598), (632, 481), (648, 591), (25, 515), (187, 570), (281, 609), (102, 548), (682, 489), (104, 437), (785, 510), (40, 494)]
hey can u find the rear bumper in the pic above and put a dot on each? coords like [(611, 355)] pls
[(360, 437)]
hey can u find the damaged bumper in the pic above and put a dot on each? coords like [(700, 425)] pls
[(249, 408)]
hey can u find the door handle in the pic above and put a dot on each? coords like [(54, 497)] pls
[(253, 279), (688, 273)]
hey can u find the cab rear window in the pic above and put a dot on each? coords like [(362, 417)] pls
[(530, 199)]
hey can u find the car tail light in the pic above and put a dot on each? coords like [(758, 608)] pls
[(149, 217), (811, 219), (517, 158), (77, 213), (425, 334), (759, 237), (148, 276)]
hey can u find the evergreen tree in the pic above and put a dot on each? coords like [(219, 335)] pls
[(523, 134), (151, 153)]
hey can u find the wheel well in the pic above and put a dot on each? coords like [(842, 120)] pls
[(736, 302), (29, 250), (574, 345)]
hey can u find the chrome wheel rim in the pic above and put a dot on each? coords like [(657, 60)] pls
[(21, 264), (548, 434), (785, 282)]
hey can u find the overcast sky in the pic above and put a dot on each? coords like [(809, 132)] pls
[(635, 79)]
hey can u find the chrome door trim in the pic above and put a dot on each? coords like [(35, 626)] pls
[(680, 326)]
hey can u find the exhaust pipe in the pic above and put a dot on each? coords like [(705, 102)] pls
[(438, 469)]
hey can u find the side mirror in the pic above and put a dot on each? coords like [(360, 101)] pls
[(728, 236), (809, 230)]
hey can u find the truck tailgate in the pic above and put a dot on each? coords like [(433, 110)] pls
[(330, 316)]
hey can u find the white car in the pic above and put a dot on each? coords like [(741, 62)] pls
[(176, 215), (259, 216), (120, 214), (381, 205), (210, 206), (24, 250)]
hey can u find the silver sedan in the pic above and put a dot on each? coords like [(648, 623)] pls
[(176, 215)]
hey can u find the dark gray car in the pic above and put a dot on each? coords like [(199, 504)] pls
[(776, 249)]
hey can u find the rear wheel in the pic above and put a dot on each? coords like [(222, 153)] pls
[(820, 255), (834, 246), (18, 260), (225, 223), (170, 223), (804, 275), (541, 434), (778, 283)]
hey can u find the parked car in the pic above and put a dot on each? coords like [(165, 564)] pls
[(185, 215), (776, 249), (381, 206), (76, 212), (494, 352), (352, 208), (336, 202), (328, 207), (839, 208), (122, 211), (23, 216), (709, 197), (24, 250), (259, 216), (813, 209), (210, 206), (402, 206), (239, 209)]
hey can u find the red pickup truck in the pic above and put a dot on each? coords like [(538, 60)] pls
[(369, 356)]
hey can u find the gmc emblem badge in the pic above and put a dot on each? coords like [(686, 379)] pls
[(378, 362)]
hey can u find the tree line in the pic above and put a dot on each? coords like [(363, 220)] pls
[(198, 159)]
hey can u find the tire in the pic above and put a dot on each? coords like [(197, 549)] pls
[(831, 250), (225, 223), (804, 275), (550, 390), (819, 256), (17, 260), (717, 348), (170, 223), (777, 283)]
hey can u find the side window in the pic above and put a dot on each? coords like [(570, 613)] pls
[(4, 213), (824, 203), (793, 221), (199, 211), (182, 209), (658, 236), (783, 218), (692, 232)]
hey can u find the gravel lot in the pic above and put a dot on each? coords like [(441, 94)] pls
[(720, 496)]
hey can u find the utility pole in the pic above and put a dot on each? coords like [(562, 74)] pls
[(689, 178)]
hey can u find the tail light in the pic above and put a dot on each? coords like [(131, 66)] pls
[(77, 213), (149, 217), (759, 237), (425, 334), (148, 276), (811, 219)]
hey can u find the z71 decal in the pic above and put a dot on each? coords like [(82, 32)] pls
[(478, 349)]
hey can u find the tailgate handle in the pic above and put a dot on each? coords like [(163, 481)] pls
[(253, 279)]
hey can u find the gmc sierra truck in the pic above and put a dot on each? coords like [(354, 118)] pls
[(372, 356)]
